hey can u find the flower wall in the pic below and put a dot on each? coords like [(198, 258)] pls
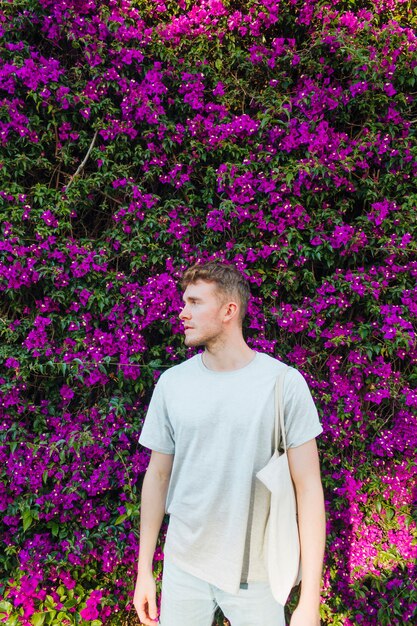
[(136, 137)]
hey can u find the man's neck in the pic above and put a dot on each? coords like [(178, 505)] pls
[(227, 357)]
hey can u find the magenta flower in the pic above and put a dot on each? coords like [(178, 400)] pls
[(66, 392), (50, 219)]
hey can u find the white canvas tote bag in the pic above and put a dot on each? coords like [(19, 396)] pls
[(282, 543)]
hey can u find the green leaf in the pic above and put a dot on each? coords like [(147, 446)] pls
[(38, 619), (50, 617), (69, 604), (27, 519), (6, 607), (390, 514), (50, 602)]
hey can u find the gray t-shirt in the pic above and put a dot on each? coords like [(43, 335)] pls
[(219, 427)]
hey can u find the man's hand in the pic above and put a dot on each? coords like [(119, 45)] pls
[(144, 600), (305, 617)]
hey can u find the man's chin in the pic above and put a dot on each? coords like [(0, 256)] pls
[(192, 343)]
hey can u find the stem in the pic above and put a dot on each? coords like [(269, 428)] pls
[(84, 161)]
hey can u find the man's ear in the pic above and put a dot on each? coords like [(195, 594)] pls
[(231, 311)]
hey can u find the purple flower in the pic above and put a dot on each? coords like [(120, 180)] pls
[(66, 392), (89, 613), (390, 89), (12, 363), (50, 219), (219, 89)]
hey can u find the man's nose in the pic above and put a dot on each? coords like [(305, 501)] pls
[(183, 313)]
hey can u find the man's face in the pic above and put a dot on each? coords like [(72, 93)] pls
[(203, 313)]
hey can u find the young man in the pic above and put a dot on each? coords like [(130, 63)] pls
[(210, 428)]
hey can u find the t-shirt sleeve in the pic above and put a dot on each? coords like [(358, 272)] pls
[(157, 432), (300, 413)]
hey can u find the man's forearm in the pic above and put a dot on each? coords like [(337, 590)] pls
[(154, 493), (312, 528), (153, 500)]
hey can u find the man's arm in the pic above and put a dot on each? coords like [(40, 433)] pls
[(154, 492), (305, 472)]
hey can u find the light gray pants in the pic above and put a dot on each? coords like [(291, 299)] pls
[(190, 601)]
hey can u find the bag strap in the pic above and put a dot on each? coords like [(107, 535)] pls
[(279, 412)]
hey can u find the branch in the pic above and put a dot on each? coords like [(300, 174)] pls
[(84, 161)]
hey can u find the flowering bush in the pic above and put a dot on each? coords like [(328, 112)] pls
[(137, 136)]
